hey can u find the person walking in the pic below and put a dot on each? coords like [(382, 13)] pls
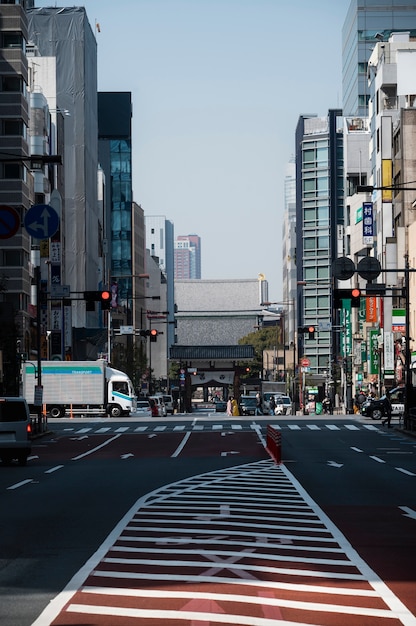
[(258, 404), (230, 406), (387, 410), (272, 405), (235, 409)]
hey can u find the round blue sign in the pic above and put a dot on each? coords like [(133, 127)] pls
[(41, 221)]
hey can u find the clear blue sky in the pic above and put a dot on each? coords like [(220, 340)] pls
[(217, 89)]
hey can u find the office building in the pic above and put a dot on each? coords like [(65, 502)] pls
[(16, 193), (187, 257), (66, 35), (366, 22), (319, 213)]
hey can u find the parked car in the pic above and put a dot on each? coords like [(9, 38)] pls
[(220, 406), (15, 430), (376, 407), (143, 408), (283, 405), (158, 400), (248, 405)]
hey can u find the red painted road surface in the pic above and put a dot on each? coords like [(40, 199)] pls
[(244, 545)]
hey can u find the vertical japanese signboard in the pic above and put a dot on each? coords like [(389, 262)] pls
[(368, 223), (373, 351)]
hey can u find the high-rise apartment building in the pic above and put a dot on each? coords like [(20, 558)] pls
[(367, 22), (187, 257)]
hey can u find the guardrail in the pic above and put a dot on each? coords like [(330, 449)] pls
[(274, 443)]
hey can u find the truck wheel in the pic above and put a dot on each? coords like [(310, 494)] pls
[(114, 410), (55, 411)]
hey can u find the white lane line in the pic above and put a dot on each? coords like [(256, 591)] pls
[(376, 458), (404, 471), (182, 427), (122, 429), (105, 443), (352, 427), (81, 431), (140, 429), (356, 449), (181, 445), (313, 427), (293, 427), (332, 427), (100, 431), (54, 469), (21, 484)]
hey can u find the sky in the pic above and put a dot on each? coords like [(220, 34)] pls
[(217, 89)]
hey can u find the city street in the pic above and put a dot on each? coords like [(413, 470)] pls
[(187, 520)]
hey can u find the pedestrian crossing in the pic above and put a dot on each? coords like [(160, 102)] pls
[(244, 545), (93, 429)]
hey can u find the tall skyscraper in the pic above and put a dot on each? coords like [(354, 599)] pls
[(187, 257), (367, 22)]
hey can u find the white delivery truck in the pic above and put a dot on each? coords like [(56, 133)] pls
[(79, 388)]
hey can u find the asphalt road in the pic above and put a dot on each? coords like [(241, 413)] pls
[(146, 497)]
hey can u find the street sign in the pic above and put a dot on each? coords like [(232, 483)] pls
[(41, 221), (60, 291), (305, 362), (9, 221)]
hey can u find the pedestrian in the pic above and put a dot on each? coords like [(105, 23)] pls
[(258, 404), (235, 409), (387, 409), (230, 406), (272, 405)]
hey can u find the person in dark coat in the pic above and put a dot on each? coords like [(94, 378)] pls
[(387, 410)]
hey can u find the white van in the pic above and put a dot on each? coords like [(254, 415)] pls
[(158, 400), (15, 430), (168, 402)]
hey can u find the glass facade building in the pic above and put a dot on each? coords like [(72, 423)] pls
[(114, 149)]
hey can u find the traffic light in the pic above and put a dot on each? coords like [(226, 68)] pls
[(353, 295), (355, 298), (153, 334), (105, 299), (307, 330)]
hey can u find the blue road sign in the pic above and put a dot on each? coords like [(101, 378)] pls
[(41, 221), (9, 221)]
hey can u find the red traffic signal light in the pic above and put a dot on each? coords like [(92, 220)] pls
[(105, 299), (311, 331), (355, 298), (153, 334)]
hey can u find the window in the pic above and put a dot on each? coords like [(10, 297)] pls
[(12, 170), (14, 127), (13, 40), (12, 83), (12, 258)]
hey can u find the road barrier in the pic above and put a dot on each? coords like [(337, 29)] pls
[(274, 443)]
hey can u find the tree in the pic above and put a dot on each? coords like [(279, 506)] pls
[(265, 338)]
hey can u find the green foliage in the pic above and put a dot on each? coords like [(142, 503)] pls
[(263, 339)]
